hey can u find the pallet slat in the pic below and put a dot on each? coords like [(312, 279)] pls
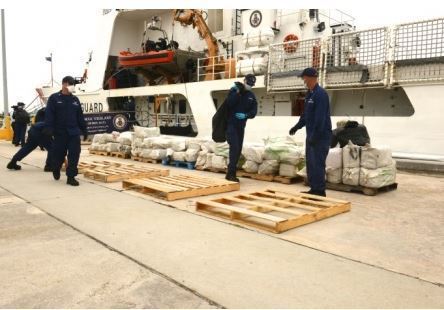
[(179, 187), (118, 173), (245, 209)]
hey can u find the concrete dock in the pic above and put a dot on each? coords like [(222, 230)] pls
[(98, 246)]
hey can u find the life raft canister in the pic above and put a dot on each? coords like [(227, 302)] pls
[(291, 47)]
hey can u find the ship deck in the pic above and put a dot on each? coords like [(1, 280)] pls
[(98, 246)]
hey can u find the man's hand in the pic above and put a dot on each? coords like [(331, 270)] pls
[(292, 131), (241, 115)]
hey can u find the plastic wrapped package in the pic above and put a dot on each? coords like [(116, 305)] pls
[(179, 156), (115, 135), (138, 142), (374, 158), (251, 166), (350, 176), (112, 147), (278, 151), (96, 139), (334, 175), (158, 154), (125, 149), (222, 149), (109, 137), (201, 158), (145, 153), (219, 162), (254, 152), (209, 146), (179, 145), (376, 178), (303, 172), (195, 144), (269, 167), (191, 155), (170, 152), (294, 156), (281, 140), (288, 170), (136, 152), (94, 146), (161, 143), (125, 138), (209, 161), (334, 159), (351, 157), (145, 132)]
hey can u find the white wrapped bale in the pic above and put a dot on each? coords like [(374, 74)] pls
[(209, 161), (201, 159), (334, 176), (219, 162), (351, 156), (209, 146), (179, 145), (125, 138), (269, 167), (194, 144), (334, 159), (158, 154), (251, 166), (96, 139), (254, 152), (144, 132), (281, 140), (179, 156), (145, 153), (374, 158), (350, 176), (138, 143), (161, 143), (191, 155), (288, 170), (110, 137), (294, 156), (112, 147), (376, 178), (303, 172), (94, 146), (136, 152), (222, 149), (125, 149)]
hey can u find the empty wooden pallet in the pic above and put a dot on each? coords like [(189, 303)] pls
[(83, 165), (180, 186), (114, 173), (272, 210)]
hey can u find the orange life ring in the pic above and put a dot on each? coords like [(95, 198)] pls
[(291, 47)]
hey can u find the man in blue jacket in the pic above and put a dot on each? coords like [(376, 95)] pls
[(64, 120), (242, 105), (35, 139), (316, 119)]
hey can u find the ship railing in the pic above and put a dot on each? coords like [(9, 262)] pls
[(216, 68), (418, 52), (356, 59), (287, 60)]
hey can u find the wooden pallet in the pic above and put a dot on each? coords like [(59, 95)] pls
[(83, 165), (179, 164), (146, 160), (120, 155), (361, 189), (272, 210), (119, 173), (215, 170), (102, 153), (180, 186)]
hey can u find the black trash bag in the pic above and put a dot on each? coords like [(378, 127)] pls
[(219, 123)]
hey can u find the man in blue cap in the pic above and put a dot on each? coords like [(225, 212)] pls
[(242, 105), (64, 119), (316, 119)]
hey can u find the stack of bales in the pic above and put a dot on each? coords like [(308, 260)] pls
[(106, 142)]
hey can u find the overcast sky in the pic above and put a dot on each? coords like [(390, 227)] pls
[(71, 34)]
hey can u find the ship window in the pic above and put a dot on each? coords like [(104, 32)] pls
[(216, 20)]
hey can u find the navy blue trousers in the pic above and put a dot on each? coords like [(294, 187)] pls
[(315, 159), (20, 133), (35, 139), (63, 144), (235, 138)]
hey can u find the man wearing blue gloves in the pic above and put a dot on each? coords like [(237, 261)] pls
[(316, 119), (242, 105)]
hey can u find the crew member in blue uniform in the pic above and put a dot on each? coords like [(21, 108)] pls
[(316, 119), (36, 137), (64, 120), (242, 105)]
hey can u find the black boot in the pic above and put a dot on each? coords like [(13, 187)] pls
[(47, 169), (231, 178), (13, 165), (56, 174), (72, 181)]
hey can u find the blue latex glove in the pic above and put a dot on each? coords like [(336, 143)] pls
[(241, 115)]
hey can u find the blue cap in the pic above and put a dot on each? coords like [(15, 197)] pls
[(311, 72), (250, 79)]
